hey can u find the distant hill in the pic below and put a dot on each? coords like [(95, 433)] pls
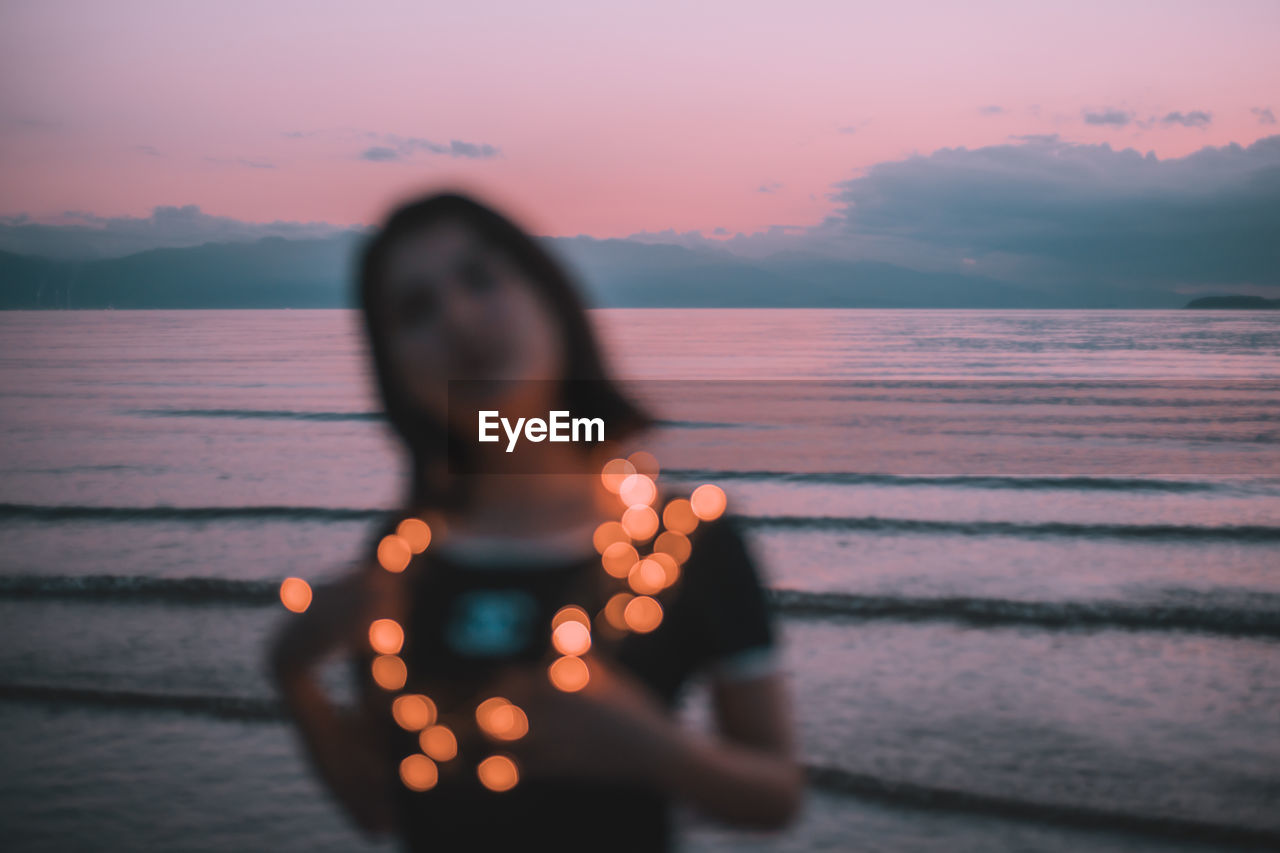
[(318, 273), (269, 273), (1235, 301)]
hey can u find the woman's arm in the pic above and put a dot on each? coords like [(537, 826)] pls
[(747, 775), (338, 742)]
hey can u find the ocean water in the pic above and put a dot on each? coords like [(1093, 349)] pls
[(1026, 565)]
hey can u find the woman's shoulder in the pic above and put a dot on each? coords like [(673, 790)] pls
[(722, 594), (705, 524)]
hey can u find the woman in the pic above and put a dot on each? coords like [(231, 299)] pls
[(452, 290)]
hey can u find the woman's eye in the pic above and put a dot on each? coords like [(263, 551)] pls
[(416, 309)]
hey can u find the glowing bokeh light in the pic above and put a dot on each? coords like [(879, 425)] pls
[(618, 559), (669, 566), (569, 674), (438, 742), (647, 577), (614, 472), (386, 636), (643, 614), (678, 516), (640, 522), (416, 532), (389, 672), (498, 773), (570, 612), (413, 712), (501, 719), (615, 610), (645, 463), (418, 773), (675, 544), (571, 638), (708, 502), (607, 534), (295, 594), (486, 708), (394, 553), (637, 489)]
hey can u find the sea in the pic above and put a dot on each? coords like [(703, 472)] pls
[(1025, 565)]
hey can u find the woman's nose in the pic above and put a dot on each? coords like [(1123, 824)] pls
[(465, 313)]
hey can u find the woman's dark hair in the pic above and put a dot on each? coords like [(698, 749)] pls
[(586, 389)]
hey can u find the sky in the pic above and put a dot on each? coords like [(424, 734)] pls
[(606, 120)]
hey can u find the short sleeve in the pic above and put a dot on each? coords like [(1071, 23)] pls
[(737, 631)]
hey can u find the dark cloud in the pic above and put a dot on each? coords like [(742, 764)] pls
[(471, 149), (769, 187), (380, 154), (1059, 212), (392, 147), (1195, 118), (991, 110), (1117, 118), (1264, 115), (395, 148), (149, 149), (79, 235)]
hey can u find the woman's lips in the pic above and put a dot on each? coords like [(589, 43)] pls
[(480, 364)]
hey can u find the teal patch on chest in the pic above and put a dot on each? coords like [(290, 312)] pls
[(491, 623)]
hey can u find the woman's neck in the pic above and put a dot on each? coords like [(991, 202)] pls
[(563, 491)]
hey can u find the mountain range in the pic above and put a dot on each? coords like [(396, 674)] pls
[(274, 272)]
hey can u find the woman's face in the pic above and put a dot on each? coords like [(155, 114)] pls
[(457, 308)]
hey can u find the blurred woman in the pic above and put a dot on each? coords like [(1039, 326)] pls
[(452, 290)]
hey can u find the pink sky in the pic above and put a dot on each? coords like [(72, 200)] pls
[(660, 115)]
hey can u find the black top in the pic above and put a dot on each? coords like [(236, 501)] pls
[(467, 620)]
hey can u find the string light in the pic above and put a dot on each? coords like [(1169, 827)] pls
[(498, 773), (386, 636), (418, 772), (413, 712), (569, 673), (295, 594), (641, 572), (438, 742)]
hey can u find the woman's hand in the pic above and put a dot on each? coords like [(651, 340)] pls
[(338, 743), (614, 728), (343, 751)]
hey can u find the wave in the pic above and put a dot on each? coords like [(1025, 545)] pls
[(927, 797), (677, 424), (221, 707), (73, 512), (260, 414), (835, 780), (1207, 401), (1195, 532), (1124, 484), (877, 524), (140, 588), (1232, 621), (1041, 614)]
